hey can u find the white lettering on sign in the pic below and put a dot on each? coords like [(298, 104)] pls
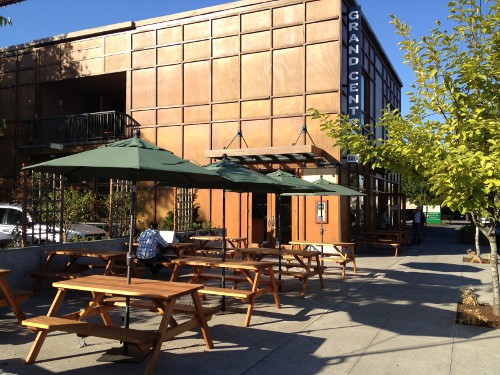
[(354, 62), (352, 158)]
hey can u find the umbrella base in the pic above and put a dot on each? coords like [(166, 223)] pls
[(117, 355)]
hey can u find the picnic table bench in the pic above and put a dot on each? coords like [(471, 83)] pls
[(207, 248), (252, 271), (12, 297), (341, 253), (73, 267), (301, 264), (394, 239), (162, 294)]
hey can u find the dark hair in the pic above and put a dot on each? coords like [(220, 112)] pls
[(153, 225)]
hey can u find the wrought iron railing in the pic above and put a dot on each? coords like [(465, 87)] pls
[(78, 129)]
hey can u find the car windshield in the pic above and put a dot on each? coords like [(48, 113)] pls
[(14, 217)]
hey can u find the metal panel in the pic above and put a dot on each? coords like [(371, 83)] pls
[(256, 75), (170, 85), (322, 31), (197, 82), (322, 63), (226, 79), (256, 21), (288, 15), (226, 26), (169, 35), (255, 109), (288, 36), (226, 46), (117, 43), (170, 54), (144, 88), (288, 71), (168, 116)]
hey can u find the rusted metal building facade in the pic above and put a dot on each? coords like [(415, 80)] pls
[(235, 79)]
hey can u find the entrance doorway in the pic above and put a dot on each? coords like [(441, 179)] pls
[(259, 218), (265, 219), (286, 219)]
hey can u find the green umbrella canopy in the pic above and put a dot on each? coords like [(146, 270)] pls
[(296, 184), (330, 188), (244, 179), (134, 159), (335, 189)]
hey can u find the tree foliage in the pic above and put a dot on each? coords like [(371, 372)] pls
[(451, 135), (417, 191), (5, 21)]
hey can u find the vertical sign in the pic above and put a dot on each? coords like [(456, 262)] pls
[(354, 62), (322, 212)]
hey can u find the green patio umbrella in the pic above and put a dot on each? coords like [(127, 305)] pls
[(329, 188), (243, 179), (296, 186), (134, 159), (334, 189)]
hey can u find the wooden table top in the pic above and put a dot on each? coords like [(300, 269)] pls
[(88, 252), (267, 251), (4, 271), (173, 244), (217, 238), (217, 262), (137, 288), (321, 243)]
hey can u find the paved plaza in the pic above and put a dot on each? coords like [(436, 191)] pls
[(395, 316)]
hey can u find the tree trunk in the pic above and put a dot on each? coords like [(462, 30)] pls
[(494, 273), (490, 235), (476, 241)]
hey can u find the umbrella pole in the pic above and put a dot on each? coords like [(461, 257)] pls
[(129, 258), (322, 230), (278, 236), (223, 300)]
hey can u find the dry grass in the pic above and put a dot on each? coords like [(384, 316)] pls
[(470, 314), (474, 257)]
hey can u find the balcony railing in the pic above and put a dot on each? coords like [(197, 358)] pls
[(78, 129)]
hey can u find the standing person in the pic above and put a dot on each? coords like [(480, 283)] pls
[(418, 221), (384, 219), (148, 251)]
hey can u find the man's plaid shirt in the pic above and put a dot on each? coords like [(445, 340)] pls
[(148, 244)]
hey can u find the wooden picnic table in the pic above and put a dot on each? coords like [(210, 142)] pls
[(393, 238), (231, 243), (182, 248), (12, 297), (306, 263), (73, 267), (336, 252), (251, 272), (163, 294)]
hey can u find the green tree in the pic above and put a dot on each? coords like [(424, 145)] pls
[(5, 21), (417, 190), (451, 135), (76, 208)]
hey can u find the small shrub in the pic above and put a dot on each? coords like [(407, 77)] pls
[(168, 222)]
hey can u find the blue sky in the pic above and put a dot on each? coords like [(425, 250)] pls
[(37, 19)]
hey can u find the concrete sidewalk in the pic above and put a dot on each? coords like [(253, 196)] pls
[(395, 316)]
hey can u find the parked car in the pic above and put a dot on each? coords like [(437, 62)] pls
[(5, 239), (11, 220)]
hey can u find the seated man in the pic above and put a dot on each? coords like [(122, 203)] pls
[(150, 242)]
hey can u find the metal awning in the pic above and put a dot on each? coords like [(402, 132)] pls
[(305, 154)]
